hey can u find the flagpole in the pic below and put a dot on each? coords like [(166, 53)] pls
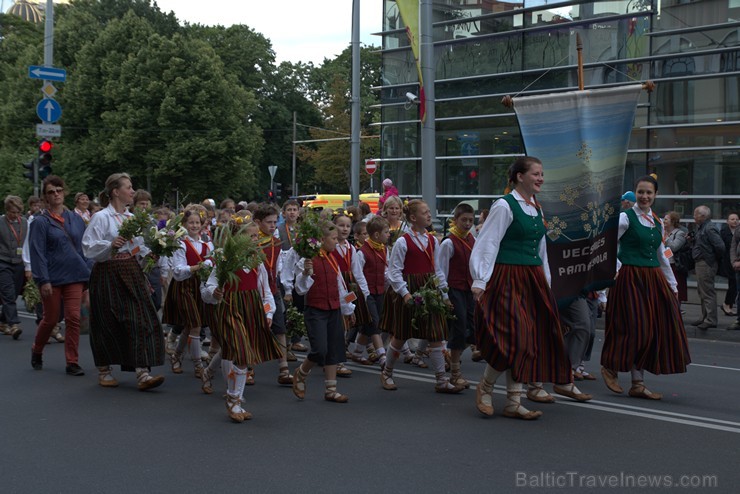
[(579, 48)]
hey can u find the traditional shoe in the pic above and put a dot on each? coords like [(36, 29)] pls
[(290, 357), (36, 361), (106, 379), (250, 378), (198, 372), (56, 333), (4, 329), (299, 347), (235, 410), (448, 388), (342, 371), (587, 376), (458, 380), (638, 390), (515, 413), (176, 363), (206, 381), (146, 381), (299, 384), (611, 380), (539, 395), (336, 397), (360, 359), (285, 378), (74, 369), (570, 393), (408, 358), (373, 357), (483, 400), (170, 345), (15, 331), (386, 379), (476, 356), (419, 362)]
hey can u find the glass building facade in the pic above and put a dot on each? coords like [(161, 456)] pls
[(687, 131)]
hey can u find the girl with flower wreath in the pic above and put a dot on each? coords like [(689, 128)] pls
[(412, 266), (184, 305)]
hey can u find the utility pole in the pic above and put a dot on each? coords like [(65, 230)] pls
[(428, 147), (355, 123), (295, 137)]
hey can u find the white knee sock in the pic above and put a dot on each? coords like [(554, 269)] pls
[(637, 374), (181, 343), (437, 358), (393, 355), (194, 348), (489, 378), (514, 392), (226, 366), (404, 349), (236, 385), (215, 362)]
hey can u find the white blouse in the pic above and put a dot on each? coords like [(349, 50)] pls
[(397, 260), (263, 286), (356, 267), (103, 230), (485, 250)]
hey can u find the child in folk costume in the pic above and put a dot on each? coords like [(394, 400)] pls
[(327, 299), (286, 233), (644, 328), (373, 258), (352, 274), (266, 220), (517, 325), (242, 319), (412, 265), (184, 305), (453, 258)]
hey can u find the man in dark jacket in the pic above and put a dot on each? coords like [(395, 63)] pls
[(707, 252)]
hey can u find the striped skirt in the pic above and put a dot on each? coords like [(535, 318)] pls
[(644, 328), (183, 305), (397, 315), (242, 329), (517, 326), (362, 313), (124, 328)]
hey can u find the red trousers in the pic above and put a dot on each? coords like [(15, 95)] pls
[(72, 296)]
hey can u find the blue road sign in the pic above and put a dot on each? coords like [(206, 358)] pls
[(49, 110), (47, 73)]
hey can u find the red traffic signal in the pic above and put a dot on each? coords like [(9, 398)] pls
[(45, 146), (44, 160)]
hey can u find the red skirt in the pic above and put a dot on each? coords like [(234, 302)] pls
[(362, 313), (683, 290), (518, 328), (644, 328), (183, 305), (398, 316)]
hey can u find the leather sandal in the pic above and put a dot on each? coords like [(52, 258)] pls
[(386, 379), (513, 413), (483, 400), (235, 410), (342, 371), (570, 393), (611, 379), (176, 363), (448, 388), (284, 377), (206, 384), (458, 380), (146, 381), (535, 393), (336, 397), (638, 390), (299, 384), (419, 362), (106, 379)]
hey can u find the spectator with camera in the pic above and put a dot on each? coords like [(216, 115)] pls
[(707, 251)]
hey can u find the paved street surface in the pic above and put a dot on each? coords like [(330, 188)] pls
[(66, 434)]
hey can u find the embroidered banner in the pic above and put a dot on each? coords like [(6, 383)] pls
[(581, 138)]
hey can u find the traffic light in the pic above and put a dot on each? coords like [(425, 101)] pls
[(31, 173), (278, 189), (44, 161), (270, 196)]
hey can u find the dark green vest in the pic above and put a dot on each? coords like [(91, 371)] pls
[(521, 244), (639, 244)]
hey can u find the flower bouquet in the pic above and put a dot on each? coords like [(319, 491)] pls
[(294, 321), (234, 252), (427, 301), (163, 242), (31, 295), (204, 272), (134, 226), (308, 237)]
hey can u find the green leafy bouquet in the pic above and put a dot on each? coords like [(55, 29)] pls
[(294, 322), (234, 252), (163, 242), (31, 295), (308, 236), (134, 226), (427, 301)]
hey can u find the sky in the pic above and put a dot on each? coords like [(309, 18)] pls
[(299, 30)]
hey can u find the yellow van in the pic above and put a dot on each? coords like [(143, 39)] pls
[(337, 201)]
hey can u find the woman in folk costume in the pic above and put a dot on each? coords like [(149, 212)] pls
[(517, 327), (412, 265), (644, 328), (124, 327), (242, 317), (184, 305)]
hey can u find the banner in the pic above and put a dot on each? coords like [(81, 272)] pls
[(582, 139), (409, 10)]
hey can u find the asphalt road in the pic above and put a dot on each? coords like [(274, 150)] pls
[(66, 434)]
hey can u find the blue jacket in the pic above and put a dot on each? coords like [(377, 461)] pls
[(56, 256)]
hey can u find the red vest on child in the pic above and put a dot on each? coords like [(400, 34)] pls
[(344, 262), (272, 252), (418, 261), (324, 293), (458, 276), (192, 256), (247, 281), (374, 269)]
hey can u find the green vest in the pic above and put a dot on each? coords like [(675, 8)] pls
[(639, 244), (521, 243)]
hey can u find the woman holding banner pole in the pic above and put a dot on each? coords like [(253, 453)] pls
[(644, 328)]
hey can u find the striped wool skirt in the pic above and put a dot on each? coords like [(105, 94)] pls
[(241, 328), (124, 328), (362, 313), (183, 305), (517, 326), (398, 317), (644, 328)]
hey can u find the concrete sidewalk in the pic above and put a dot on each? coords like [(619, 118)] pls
[(693, 313)]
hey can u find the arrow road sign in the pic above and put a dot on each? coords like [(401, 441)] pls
[(48, 73), (48, 110)]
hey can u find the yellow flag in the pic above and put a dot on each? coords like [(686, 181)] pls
[(409, 10)]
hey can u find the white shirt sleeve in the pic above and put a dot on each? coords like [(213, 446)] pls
[(357, 271), (485, 250), (287, 275), (263, 281), (303, 282), (395, 267), (180, 268), (96, 241), (545, 262), (207, 289), (26, 249), (347, 308), (441, 276)]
